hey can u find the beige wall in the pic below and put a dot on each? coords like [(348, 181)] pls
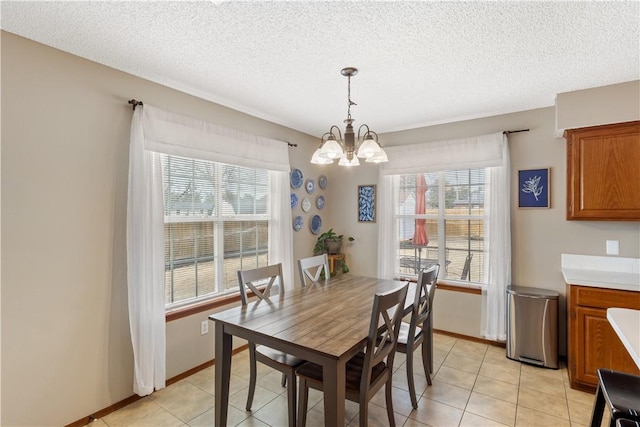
[(65, 340)]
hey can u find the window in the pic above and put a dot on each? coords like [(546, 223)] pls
[(440, 219), (215, 222)]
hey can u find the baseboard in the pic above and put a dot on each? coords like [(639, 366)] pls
[(129, 400), (470, 338)]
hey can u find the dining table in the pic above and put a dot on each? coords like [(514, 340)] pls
[(326, 323)]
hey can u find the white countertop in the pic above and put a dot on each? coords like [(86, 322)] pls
[(602, 279), (601, 272), (626, 323)]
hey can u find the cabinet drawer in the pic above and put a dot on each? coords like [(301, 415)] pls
[(604, 298)]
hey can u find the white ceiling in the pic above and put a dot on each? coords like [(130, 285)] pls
[(420, 63)]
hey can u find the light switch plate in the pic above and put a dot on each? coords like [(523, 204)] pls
[(613, 247)]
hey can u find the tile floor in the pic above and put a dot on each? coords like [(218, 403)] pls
[(474, 385)]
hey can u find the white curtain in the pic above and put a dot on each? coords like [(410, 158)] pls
[(145, 263), (484, 151), (388, 240), (497, 233), (154, 131)]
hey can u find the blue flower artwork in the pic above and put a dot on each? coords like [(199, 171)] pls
[(366, 203), (533, 188)]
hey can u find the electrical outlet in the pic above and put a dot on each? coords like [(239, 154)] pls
[(204, 327), (613, 247)]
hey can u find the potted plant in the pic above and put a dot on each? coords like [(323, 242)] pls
[(330, 243)]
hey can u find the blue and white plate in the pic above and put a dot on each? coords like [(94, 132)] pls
[(297, 223), (322, 182), (294, 200), (296, 178), (310, 185), (320, 202), (316, 224)]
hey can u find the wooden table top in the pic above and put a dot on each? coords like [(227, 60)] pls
[(331, 319)]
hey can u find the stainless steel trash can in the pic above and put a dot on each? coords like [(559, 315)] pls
[(532, 326)]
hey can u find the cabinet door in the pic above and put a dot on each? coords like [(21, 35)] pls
[(603, 172), (601, 347)]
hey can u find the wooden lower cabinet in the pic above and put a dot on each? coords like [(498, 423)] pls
[(592, 342)]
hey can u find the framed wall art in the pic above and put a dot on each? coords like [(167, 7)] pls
[(366, 203), (534, 188)]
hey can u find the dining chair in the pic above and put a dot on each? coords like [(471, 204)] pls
[(371, 368), (419, 331), (253, 280), (306, 268), (620, 392)]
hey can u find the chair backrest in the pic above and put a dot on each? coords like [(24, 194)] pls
[(247, 280), (306, 268), (467, 267), (423, 301), (386, 318)]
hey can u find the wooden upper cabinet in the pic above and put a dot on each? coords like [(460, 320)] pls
[(603, 172)]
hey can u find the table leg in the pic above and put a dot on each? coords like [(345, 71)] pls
[(334, 389), (223, 374)]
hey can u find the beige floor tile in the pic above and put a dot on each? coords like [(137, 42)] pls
[(400, 397), (501, 359), (204, 379), (470, 349), (436, 414), (261, 397), (160, 418), (315, 416), (184, 400), (464, 363), (274, 413), (545, 372), (496, 388), (413, 423), (443, 342), (491, 408), (543, 402), (131, 412), (473, 420), (500, 372), (580, 412), (535, 381), (400, 380), (439, 356), (234, 417), (272, 381), (456, 377), (448, 394), (377, 417), (579, 396), (250, 422), (530, 418), (99, 423)]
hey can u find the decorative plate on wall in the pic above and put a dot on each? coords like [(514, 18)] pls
[(296, 178), (322, 182), (310, 186), (297, 223), (306, 205), (316, 224), (320, 202), (294, 200)]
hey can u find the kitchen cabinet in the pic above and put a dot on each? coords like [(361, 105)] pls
[(603, 172), (592, 342)]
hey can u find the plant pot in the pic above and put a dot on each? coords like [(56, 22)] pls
[(333, 246)]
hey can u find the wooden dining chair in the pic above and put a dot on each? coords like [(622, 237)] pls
[(419, 331), (253, 280), (311, 269), (370, 369)]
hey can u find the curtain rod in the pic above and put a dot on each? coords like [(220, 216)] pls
[(506, 132), (135, 103)]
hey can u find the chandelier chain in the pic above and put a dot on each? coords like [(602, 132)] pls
[(350, 103)]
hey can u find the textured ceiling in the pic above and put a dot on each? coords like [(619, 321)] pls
[(420, 63)]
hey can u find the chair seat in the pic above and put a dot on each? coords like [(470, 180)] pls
[(403, 337), (278, 356), (313, 372), (622, 392)]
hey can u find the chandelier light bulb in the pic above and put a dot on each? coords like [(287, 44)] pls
[(317, 160)]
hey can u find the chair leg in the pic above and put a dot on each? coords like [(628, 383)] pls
[(412, 386), (426, 361), (252, 375), (291, 397), (430, 339), (303, 400), (283, 382), (364, 410), (598, 408), (389, 400)]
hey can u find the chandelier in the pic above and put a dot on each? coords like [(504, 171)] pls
[(348, 149)]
